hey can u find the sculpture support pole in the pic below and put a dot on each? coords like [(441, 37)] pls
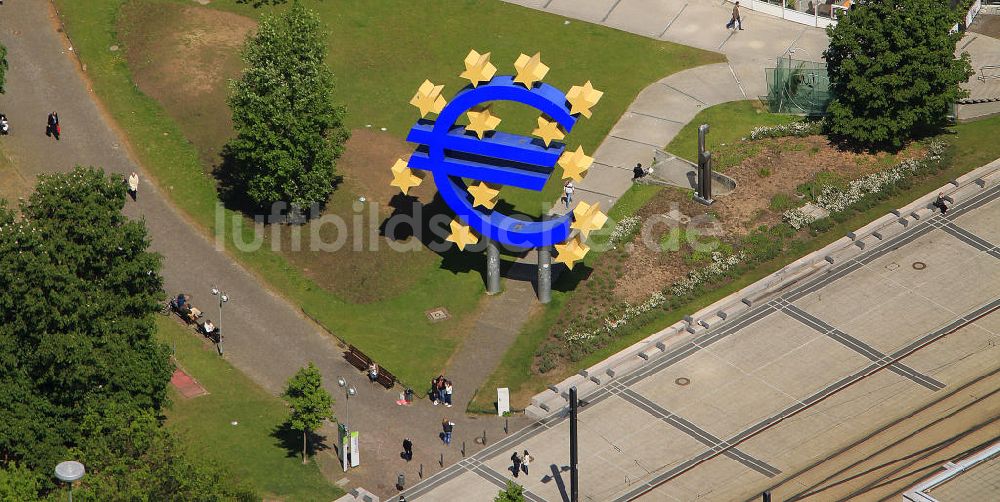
[(544, 274), (574, 474), (492, 268)]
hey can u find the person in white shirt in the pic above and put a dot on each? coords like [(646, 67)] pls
[(568, 190), (208, 327)]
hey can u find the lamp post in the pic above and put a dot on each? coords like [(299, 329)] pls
[(68, 472), (223, 298), (349, 391)]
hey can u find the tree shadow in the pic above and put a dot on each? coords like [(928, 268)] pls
[(291, 441)]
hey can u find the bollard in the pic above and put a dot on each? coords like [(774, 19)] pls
[(441, 461), (421, 471), (766, 496), (484, 438), (506, 426), (463, 449)]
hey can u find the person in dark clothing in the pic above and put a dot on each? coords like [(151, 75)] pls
[(638, 171), (407, 449), (940, 203), (447, 427), (52, 129), (516, 460)]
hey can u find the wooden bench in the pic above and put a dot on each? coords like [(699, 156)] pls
[(362, 362), (386, 379), (357, 358)]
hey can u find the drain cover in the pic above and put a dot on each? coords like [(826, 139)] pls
[(682, 381), (919, 265), (892, 266), (438, 314)]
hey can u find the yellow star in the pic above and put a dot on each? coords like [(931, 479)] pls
[(582, 98), (548, 130), (571, 252), (481, 122), (530, 69), (478, 68), (461, 235), (403, 177), (575, 164), (484, 195), (428, 98), (588, 217)]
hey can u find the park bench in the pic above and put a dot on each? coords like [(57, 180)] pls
[(360, 361)]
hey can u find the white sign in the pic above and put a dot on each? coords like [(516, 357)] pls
[(355, 452), (503, 400)]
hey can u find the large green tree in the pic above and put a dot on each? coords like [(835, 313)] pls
[(81, 375), (289, 130), (893, 71), (512, 493), (310, 403)]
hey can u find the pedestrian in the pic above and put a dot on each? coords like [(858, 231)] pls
[(440, 388), (940, 203), (434, 391), (568, 190), (525, 460), (447, 427), (447, 393), (407, 449), (735, 22), (516, 460), (52, 129), (638, 171), (133, 185)]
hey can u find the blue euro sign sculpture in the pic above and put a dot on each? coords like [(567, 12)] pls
[(501, 158)]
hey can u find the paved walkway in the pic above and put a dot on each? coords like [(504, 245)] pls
[(663, 108), (266, 336), (729, 412)]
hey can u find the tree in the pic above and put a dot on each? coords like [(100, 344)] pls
[(310, 403), (289, 131), (3, 67), (893, 71), (512, 493), (17, 482)]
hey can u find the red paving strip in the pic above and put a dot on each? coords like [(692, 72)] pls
[(187, 386)]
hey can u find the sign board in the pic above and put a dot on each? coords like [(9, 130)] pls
[(355, 451), (345, 443), (503, 400)]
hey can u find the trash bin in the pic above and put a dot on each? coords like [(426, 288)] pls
[(408, 395), (400, 481)]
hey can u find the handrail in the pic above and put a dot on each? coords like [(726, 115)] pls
[(982, 72)]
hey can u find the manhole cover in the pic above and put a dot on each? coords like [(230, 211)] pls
[(892, 266), (438, 314), (919, 265), (682, 381)]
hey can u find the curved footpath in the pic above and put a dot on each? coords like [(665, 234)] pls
[(266, 336), (663, 108)]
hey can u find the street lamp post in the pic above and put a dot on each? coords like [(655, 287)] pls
[(349, 391), (68, 472), (223, 298)]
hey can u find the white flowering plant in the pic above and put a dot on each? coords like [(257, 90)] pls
[(800, 128)]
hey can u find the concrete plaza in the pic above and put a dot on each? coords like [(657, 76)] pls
[(739, 409)]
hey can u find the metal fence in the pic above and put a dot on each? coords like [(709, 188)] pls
[(799, 87)]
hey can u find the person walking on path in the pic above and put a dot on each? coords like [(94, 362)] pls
[(447, 427), (407, 449), (447, 393), (516, 460), (568, 191), (52, 128), (940, 203), (525, 461), (735, 22), (133, 185)]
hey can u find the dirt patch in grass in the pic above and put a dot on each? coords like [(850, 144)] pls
[(183, 56), (662, 254)]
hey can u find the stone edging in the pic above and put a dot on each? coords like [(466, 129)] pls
[(555, 398)]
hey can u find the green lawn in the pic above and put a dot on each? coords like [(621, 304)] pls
[(972, 146), (381, 51), (248, 450), (728, 123)]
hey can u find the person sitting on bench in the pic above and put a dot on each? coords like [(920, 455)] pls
[(940, 203), (208, 328), (373, 372)]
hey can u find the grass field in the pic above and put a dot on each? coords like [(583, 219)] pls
[(972, 146), (728, 122), (380, 52), (247, 450)]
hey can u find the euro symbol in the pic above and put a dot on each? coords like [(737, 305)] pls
[(450, 155)]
